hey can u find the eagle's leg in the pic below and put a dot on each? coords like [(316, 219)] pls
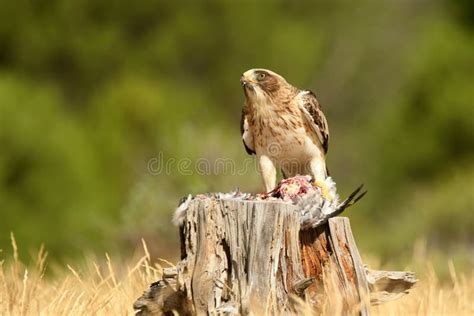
[(318, 170), (268, 170)]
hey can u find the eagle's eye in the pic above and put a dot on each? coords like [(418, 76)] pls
[(261, 76)]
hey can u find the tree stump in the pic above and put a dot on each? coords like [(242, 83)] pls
[(240, 255), (247, 256)]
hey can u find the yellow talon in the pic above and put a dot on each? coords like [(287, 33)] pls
[(324, 190)]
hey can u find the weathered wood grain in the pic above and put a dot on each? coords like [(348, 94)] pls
[(242, 256), (387, 286), (349, 265)]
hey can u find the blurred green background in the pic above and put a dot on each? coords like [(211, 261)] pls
[(90, 91)]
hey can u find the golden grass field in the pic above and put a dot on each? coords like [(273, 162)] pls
[(110, 288)]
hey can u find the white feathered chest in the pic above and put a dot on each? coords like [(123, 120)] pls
[(281, 132)]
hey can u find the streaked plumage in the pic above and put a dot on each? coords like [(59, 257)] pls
[(284, 126)]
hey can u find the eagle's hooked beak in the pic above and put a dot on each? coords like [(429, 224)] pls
[(245, 80)]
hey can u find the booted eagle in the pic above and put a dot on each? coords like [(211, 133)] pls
[(284, 127)]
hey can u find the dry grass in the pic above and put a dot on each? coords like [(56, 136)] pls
[(108, 288), (103, 288), (430, 297)]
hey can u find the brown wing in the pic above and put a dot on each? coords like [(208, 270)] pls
[(313, 112), (246, 133)]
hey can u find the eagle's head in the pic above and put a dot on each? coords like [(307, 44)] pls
[(262, 84)]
